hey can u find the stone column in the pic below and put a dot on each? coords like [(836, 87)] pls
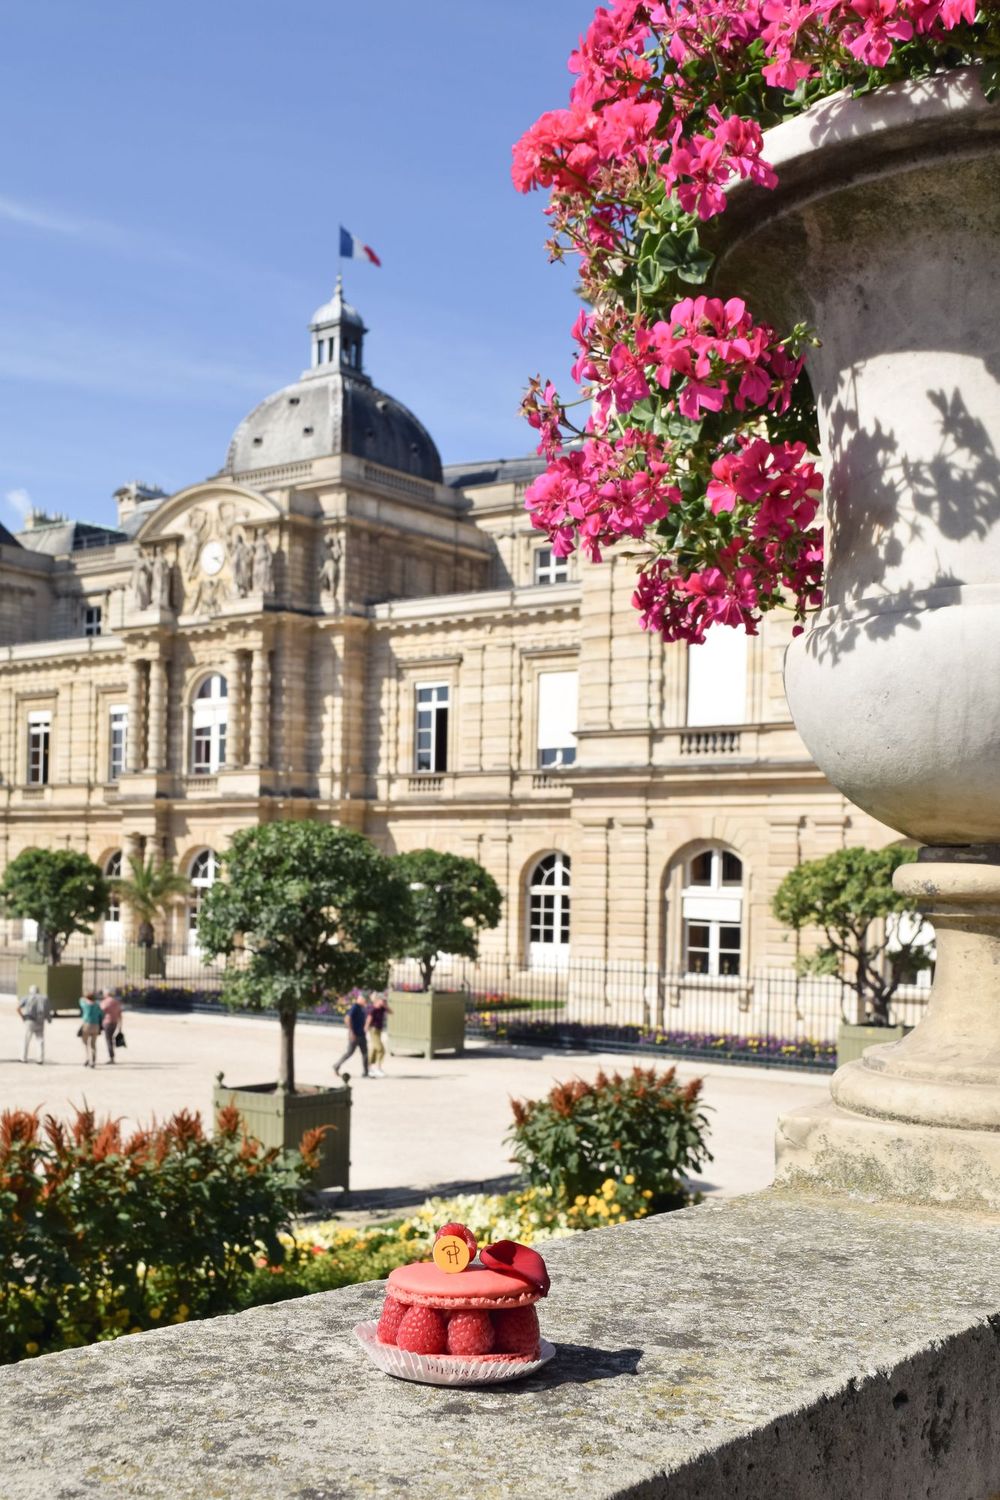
[(260, 708), (156, 738), (235, 755), (133, 737)]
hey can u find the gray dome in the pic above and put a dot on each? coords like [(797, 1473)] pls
[(334, 408), (335, 413)]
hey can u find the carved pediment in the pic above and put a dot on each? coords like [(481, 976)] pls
[(217, 537)]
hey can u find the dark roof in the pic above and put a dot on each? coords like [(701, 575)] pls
[(499, 471)]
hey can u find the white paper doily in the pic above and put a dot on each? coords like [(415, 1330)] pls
[(446, 1369)]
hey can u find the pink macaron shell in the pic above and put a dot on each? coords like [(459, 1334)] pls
[(423, 1284)]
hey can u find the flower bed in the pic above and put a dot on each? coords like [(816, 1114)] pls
[(724, 1046)]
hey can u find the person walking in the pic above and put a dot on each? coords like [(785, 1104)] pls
[(379, 1012), (90, 1029), (356, 1039), (36, 1012), (111, 1013)]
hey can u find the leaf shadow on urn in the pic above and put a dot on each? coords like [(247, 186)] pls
[(910, 505)]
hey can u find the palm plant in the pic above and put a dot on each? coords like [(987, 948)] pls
[(147, 891)]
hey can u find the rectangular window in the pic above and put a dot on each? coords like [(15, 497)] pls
[(92, 619), (117, 737), (557, 713), (39, 734), (717, 678), (549, 568), (202, 761), (432, 727)]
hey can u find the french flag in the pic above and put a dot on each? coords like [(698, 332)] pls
[(353, 248)]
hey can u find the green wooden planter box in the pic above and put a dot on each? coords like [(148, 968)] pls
[(144, 962), (278, 1118), (427, 1021), (853, 1040), (63, 983)]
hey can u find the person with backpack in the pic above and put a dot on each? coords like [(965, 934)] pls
[(36, 1012)]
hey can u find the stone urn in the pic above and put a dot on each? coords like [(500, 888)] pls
[(884, 235)]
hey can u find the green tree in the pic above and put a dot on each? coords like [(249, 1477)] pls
[(60, 889), (453, 900), (304, 910), (148, 890), (849, 896)]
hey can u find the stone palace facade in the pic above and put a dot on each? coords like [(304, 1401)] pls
[(335, 627)]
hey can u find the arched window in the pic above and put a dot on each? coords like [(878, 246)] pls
[(548, 912), (113, 931), (712, 909), (204, 873), (209, 721)]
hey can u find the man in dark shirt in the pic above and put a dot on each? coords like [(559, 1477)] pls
[(356, 1039)]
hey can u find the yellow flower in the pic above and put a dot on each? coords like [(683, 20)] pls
[(31, 1347), (156, 1312), (579, 1198), (629, 1178), (608, 1186), (647, 1193)]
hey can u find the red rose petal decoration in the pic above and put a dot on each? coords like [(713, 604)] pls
[(508, 1255)]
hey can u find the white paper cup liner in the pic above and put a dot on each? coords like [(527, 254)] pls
[(446, 1369)]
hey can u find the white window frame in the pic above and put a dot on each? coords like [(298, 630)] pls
[(549, 568), (117, 740), (114, 930), (548, 756), (202, 875), (549, 892), (431, 727), (38, 760), (718, 905), (93, 619), (209, 725)]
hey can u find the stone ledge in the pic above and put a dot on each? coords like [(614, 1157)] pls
[(776, 1346)]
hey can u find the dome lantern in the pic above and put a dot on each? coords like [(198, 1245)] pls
[(337, 335)]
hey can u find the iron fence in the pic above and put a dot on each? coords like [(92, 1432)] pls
[(772, 1016)]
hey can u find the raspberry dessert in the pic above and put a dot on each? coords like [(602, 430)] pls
[(467, 1308)]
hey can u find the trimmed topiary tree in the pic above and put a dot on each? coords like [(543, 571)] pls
[(304, 911), (62, 890), (844, 895), (453, 900)]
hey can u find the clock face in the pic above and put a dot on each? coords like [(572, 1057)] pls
[(211, 558)]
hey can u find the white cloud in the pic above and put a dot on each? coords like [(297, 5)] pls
[(19, 501)]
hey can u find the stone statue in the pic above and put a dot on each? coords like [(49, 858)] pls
[(142, 582), (263, 566), (197, 522), (329, 573), (161, 581), (242, 564)]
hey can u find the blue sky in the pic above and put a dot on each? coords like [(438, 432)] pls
[(169, 201)]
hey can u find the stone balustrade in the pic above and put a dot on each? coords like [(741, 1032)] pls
[(792, 1348)]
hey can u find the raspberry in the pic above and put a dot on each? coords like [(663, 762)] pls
[(516, 1330), (422, 1330), (388, 1323), (470, 1333), (462, 1233)]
